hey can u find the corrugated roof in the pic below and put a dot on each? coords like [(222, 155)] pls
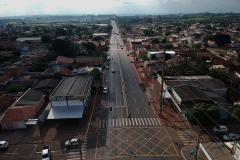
[(71, 86), (31, 97), (47, 83)]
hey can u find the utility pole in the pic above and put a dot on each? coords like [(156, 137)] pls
[(198, 141), (161, 98), (134, 46)]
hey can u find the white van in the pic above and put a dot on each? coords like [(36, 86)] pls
[(108, 58)]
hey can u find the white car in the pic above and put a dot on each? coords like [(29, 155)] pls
[(230, 136), (219, 129), (105, 90), (72, 142), (3, 144)]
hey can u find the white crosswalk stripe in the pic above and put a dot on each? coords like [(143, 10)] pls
[(122, 122), (74, 153), (187, 138)]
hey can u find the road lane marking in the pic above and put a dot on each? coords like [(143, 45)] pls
[(142, 121), (120, 122), (146, 109), (129, 121), (103, 123), (149, 121), (134, 100), (152, 121), (116, 122), (136, 121), (159, 121), (137, 111), (126, 121), (133, 121), (142, 100), (139, 121), (113, 122), (123, 121), (155, 121), (109, 123)]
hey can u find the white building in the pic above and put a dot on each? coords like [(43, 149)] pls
[(70, 98)]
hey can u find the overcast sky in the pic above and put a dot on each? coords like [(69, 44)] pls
[(41, 7)]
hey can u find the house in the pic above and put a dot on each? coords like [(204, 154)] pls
[(89, 61), (64, 60), (34, 97), (6, 101), (141, 51), (16, 117), (14, 70), (70, 99), (48, 84), (186, 91), (4, 80), (65, 72), (159, 54), (220, 61)]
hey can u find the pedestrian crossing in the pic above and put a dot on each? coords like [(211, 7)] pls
[(77, 152), (125, 122), (187, 138)]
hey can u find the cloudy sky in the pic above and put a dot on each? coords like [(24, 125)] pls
[(41, 7)]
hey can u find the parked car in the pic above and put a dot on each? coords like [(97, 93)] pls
[(230, 136), (219, 129), (72, 142), (46, 154), (105, 90), (107, 67), (142, 86), (3, 144)]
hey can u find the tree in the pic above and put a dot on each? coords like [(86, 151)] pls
[(220, 73), (221, 39), (57, 75), (202, 112), (236, 112), (46, 39), (14, 88), (89, 46), (38, 67), (96, 74), (61, 47), (155, 40)]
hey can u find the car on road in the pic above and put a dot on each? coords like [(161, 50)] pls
[(107, 67), (131, 61), (230, 136), (113, 70), (72, 142), (3, 144), (105, 90), (220, 129), (142, 86)]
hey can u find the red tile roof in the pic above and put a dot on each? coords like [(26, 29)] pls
[(6, 101), (203, 54), (20, 113), (6, 44), (220, 61), (62, 59), (5, 78), (64, 71)]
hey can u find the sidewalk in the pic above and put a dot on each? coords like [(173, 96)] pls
[(186, 153)]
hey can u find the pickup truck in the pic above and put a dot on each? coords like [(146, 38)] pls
[(46, 154)]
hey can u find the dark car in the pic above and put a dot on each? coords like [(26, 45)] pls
[(142, 86)]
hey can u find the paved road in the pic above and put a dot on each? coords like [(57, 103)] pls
[(140, 135)]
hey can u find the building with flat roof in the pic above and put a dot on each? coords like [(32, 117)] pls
[(70, 98)]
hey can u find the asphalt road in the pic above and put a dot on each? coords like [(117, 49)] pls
[(139, 134)]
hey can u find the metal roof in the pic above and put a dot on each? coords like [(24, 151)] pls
[(71, 86), (62, 112)]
